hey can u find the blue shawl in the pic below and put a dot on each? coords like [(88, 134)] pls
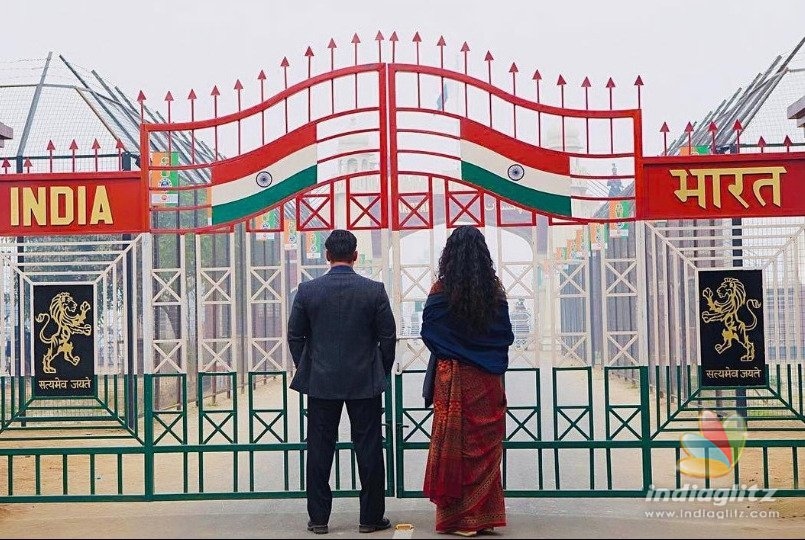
[(449, 339)]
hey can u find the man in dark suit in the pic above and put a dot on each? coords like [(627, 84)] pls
[(342, 334)]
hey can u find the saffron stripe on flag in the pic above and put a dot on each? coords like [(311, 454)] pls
[(525, 154)]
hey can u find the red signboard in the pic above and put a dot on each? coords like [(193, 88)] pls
[(722, 186), (72, 203)]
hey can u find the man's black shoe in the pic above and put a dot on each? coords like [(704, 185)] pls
[(383, 525), (317, 529)]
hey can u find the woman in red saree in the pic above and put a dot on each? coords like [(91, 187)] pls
[(466, 327)]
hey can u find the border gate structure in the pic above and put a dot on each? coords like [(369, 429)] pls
[(192, 250)]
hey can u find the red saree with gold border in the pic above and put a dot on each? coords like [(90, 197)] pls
[(463, 473)]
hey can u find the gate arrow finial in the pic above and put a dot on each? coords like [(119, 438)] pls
[(417, 40), (332, 46), (355, 41), (393, 39)]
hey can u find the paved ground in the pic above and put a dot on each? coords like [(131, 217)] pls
[(538, 518)]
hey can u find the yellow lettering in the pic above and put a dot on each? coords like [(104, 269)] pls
[(101, 210), (716, 174), (773, 182), (34, 207), (57, 193), (15, 207), (81, 211), (684, 190), (735, 188)]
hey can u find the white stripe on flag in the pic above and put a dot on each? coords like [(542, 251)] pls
[(498, 164), (279, 171)]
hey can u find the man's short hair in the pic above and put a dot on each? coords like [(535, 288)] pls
[(341, 245)]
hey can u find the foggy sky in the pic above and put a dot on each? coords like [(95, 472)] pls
[(691, 54)]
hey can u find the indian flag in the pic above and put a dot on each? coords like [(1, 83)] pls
[(527, 175), (255, 181)]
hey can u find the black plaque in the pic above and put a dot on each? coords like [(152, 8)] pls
[(731, 335), (64, 335)]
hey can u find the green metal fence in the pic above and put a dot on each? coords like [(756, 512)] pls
[(571, 432), (601, 443), (60, 452)]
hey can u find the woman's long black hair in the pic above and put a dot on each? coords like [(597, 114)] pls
[(470, 284)]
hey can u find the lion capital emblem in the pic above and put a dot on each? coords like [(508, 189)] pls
[(68, 320), (731, 296)]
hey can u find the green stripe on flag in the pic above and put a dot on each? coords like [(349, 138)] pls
[(262, 200), (538, 200)]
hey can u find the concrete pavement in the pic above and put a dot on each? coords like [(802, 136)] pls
[(528, 518)]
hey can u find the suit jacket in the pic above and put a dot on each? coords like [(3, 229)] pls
[(342, 336)]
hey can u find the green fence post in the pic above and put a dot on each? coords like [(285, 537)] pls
[(148, 446), (398, 432), (645, 427), (388, 419)]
